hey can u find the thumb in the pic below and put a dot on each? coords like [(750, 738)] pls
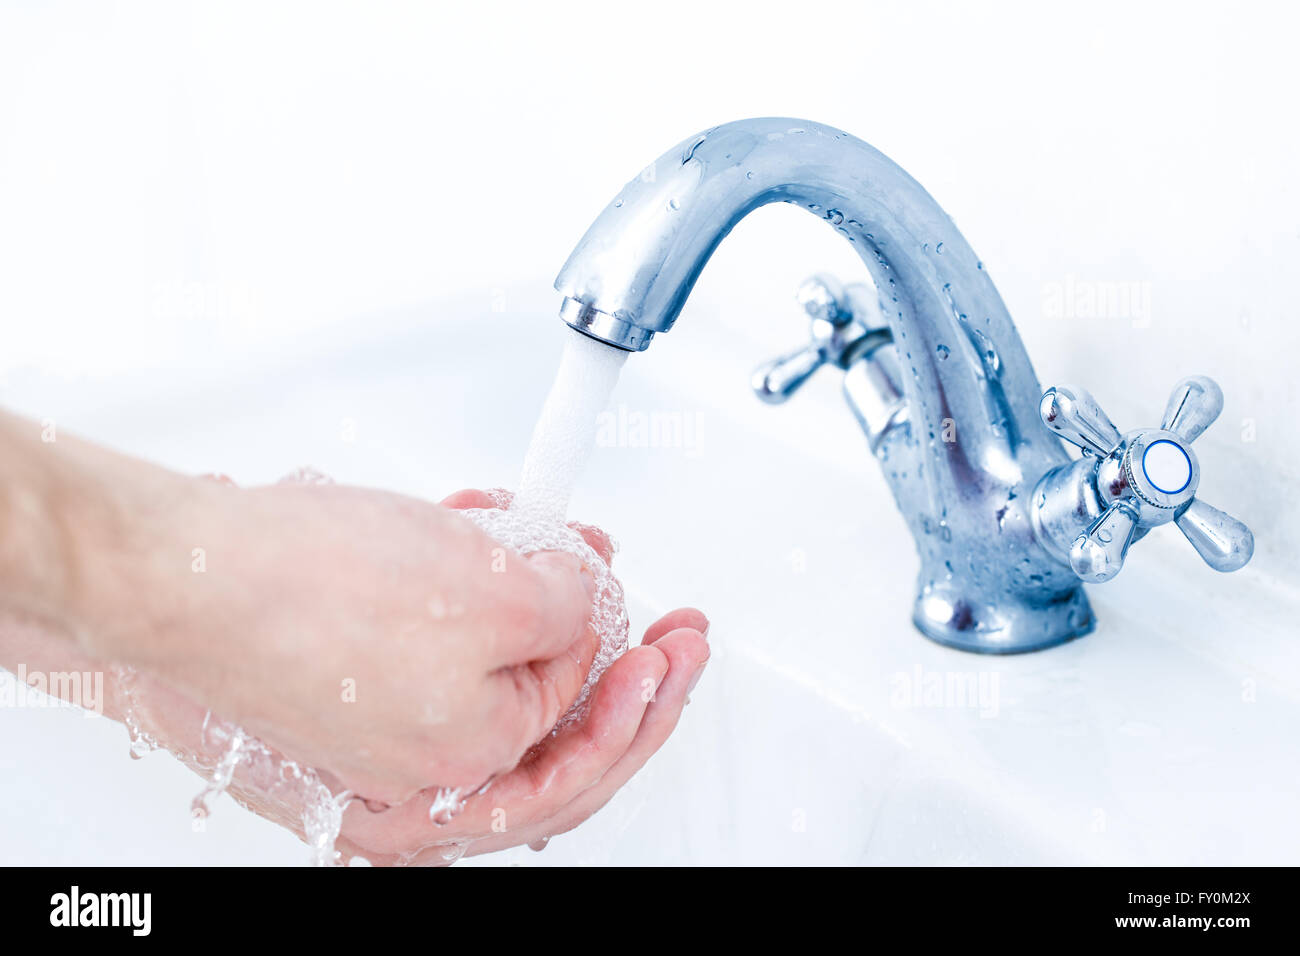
[(564, 590)]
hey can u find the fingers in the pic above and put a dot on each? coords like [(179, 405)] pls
[(537, 694), (687, 652), (469, 498), (544, 782), (682, 617), (477, 498), (551, 604), (580, 754), (529, 804), (596, 539)]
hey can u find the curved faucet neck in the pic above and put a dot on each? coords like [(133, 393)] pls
[(974, 447), (632, 272)]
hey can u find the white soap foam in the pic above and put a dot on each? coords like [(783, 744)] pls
[(527, 532)]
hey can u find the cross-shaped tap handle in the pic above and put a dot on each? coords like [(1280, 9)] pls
[(1146, 478)]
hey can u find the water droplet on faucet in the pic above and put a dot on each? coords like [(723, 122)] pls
[(690, 150)]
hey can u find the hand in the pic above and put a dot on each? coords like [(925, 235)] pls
[(566, 779), (570, 775), (362, 633), (367, 634), (557, 785)]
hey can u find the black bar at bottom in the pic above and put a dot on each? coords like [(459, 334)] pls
[(1172, 905)]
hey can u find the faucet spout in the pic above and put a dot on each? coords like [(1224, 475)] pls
[(964, 463)]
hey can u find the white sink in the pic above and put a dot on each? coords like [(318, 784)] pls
[(815, 736)]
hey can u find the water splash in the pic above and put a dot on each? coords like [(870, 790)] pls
[(278, 777), (447, 802), (451, 852), (142, 742)]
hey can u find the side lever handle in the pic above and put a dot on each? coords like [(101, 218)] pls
[(839, 318), (779, 379), (1075, 416)]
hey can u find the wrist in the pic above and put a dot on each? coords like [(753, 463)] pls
[(34, 555), (134, 550), (91, 541)]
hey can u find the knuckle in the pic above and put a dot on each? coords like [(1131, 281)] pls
[(523, 608)]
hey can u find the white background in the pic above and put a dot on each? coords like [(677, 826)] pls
[(197, 182), (214, 187)]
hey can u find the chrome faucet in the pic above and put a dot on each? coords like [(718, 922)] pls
[(1006, 524)]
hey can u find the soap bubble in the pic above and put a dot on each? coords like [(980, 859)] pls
[(529, 531)]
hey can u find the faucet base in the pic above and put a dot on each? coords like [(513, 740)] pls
[(949, 617)]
